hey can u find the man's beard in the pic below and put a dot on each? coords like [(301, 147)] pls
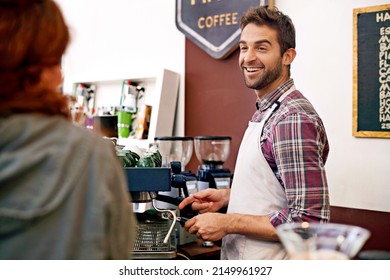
[(267, 78)]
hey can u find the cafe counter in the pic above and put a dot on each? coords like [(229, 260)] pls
[(196, 251)]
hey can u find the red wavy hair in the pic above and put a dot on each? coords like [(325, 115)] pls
[(34, 36)]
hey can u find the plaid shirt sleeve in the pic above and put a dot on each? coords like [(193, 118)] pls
[(299, 146)]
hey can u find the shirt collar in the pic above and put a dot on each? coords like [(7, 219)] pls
[(266, 101)]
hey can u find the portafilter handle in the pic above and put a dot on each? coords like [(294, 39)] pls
[(186, 212), (153, 196)]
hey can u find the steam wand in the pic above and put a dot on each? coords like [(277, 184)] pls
[(153, 196)]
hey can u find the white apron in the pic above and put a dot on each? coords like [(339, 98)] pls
[(255, 191)]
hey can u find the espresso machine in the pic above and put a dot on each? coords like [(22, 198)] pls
[(155, 236), (159, 230), (212, 152)]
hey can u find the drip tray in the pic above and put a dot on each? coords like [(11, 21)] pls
[(149, 242)]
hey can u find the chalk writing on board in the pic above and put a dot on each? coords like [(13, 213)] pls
[(384, 71), (371, 72)]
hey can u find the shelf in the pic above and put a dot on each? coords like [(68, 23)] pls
[(161, 93)]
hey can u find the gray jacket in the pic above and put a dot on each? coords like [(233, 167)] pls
[(63, 193)]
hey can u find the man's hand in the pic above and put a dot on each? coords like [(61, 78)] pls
[(208, 226), (209, 200)]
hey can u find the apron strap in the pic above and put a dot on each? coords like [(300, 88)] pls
[(276, 104)]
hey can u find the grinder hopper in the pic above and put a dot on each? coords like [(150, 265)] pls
[(212, 152)]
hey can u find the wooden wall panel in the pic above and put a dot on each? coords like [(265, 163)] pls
[(377, 222), (217, 102)]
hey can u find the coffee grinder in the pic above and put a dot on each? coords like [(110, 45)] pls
[(212, 152), (178, 149)]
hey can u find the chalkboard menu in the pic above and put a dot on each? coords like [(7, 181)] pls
[(371, 73)]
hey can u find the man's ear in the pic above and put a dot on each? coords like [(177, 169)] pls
[(288, 56)]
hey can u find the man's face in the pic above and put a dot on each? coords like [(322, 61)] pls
[(260, 60)]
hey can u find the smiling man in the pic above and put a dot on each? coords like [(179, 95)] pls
[(279, 175)]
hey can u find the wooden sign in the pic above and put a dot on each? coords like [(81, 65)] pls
[(371, 72), (213, 25)]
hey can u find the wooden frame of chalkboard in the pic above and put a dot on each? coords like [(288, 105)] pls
[(371, 72)]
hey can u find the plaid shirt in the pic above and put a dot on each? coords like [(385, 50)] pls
[(295, 145)]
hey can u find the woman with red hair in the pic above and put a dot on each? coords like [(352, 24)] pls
[(63, 193)]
